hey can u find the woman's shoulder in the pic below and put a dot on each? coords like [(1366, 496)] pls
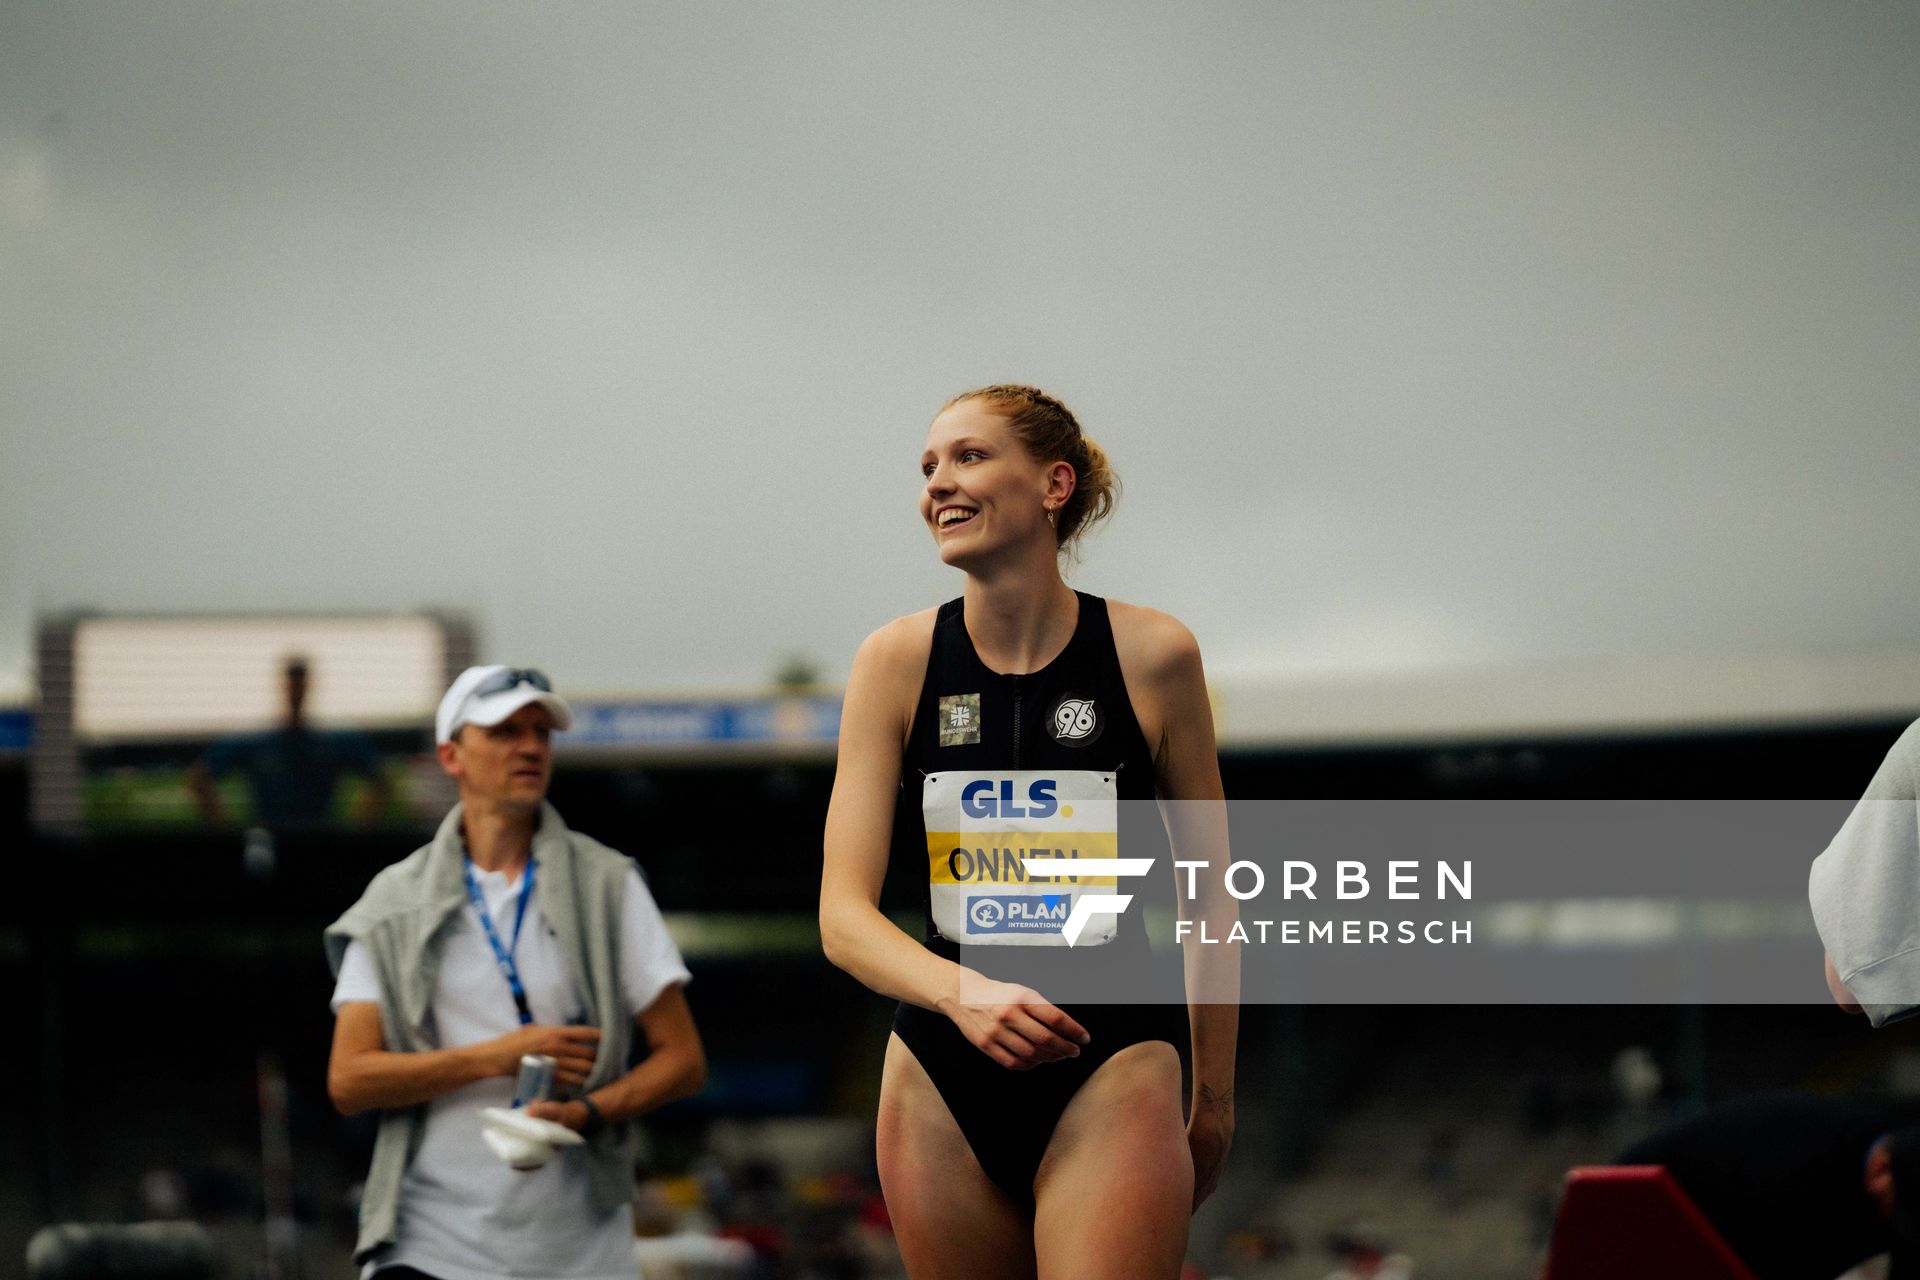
[(1156, 644), (903, 635), (898, 650)]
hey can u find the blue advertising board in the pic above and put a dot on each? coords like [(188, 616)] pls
[(16, 730), (768, 720)]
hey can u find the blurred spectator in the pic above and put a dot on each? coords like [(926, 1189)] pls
[(1440, 1162), (293, 771), (1266, 1241), (122, 1251), (1363, 1256), (554, 948), (163, 1195), (1798, 1187), (1636, 1090)]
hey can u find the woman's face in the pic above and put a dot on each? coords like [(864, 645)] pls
[(983, 491)]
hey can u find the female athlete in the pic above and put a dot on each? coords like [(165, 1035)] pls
[(1017, 1137)]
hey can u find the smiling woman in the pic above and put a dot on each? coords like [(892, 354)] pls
[(1041, 427), (1017, 1137)]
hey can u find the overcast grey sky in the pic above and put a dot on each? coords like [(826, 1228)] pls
[(1421, 335)]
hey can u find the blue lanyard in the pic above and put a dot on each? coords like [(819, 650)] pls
[(504, 955)]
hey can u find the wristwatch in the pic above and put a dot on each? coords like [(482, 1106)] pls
[(595, 1120)]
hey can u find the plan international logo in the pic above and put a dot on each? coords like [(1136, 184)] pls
[(1007, 913)]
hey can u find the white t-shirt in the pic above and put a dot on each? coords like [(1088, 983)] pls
[(463, 1214)]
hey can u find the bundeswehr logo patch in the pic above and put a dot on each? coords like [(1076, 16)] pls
[(960, 720)]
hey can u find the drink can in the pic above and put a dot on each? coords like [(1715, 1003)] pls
[(535, 1081)]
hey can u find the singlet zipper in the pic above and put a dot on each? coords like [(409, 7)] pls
[(1016, 721)]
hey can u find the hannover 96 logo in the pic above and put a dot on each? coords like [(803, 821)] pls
[(1076, 721)]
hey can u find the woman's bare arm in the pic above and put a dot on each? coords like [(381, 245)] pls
[(1167, 684), (1012, 1025)]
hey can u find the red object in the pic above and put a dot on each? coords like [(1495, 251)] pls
[(1634, 1220), (764, 1237), (873, 1213)]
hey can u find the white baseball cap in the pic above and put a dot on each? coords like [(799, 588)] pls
[(487, 695)]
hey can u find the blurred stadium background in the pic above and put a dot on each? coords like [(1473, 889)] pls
[(169, 978), (1516, 401)]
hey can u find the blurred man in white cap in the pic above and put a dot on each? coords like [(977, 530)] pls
[(507, 935)]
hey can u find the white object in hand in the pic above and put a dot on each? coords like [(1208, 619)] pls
[(522, 1141)]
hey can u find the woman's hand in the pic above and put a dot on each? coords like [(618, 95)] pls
[(1209, 1134), (1014, 1025)]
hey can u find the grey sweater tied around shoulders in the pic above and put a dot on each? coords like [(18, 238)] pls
[(399, 921), (1865, 889)]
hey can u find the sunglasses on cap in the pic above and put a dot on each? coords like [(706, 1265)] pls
[(511, 678)]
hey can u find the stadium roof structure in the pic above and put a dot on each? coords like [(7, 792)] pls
[(1281, 712), (1679, 696)]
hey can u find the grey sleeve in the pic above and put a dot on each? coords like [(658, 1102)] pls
[(1865, 889)]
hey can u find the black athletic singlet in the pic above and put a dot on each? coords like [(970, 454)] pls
[(1059, 748)]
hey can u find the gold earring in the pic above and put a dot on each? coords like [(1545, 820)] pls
[(1049, 511)]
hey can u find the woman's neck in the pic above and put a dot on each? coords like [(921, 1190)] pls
[(1020, 621)]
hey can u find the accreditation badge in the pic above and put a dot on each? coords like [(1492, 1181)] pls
[(982, 826)]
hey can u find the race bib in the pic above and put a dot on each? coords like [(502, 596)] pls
[(982, 826)]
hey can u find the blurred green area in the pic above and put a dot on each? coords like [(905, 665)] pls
[(157, 796)]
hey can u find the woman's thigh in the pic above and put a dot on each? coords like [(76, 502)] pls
[(949, 1219), (1115, 1191)]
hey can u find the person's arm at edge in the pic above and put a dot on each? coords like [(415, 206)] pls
[(1187, 763), (675, 1068), (1864, 868), (1838, 989)]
